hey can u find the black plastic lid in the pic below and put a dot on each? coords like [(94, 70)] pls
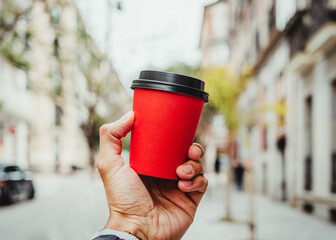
[(171, 82)]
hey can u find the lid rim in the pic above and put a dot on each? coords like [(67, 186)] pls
[(171, 82), (172, 78), (145, 81), (179, 89)]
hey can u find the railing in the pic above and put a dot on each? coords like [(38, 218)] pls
[(307, 22)]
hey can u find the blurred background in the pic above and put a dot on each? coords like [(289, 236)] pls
[(66, 68)]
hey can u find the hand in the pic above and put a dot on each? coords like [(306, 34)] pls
[(147, 207)]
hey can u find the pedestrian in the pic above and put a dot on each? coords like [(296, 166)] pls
[(143, 207), (239, 176), (217, 164)]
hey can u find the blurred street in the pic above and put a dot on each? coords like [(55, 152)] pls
[(67, 67), (273, 220), (67, 207), (75, 208)]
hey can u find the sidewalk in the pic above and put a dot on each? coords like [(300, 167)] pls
[(273, 220), (49, 184)]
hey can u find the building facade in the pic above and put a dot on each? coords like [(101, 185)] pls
[(215, 34), (288, 108), (67, 76), (16, 114)]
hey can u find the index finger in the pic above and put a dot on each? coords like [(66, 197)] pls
[(195, 152)]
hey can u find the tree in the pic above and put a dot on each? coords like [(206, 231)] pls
[(13, 40), (224, 88), (209, 109), (85, 57), (91, 132), (102, 81)]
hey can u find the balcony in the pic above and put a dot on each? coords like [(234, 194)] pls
[(306, 23)]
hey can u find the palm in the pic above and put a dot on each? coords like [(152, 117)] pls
[(154, 208), (158, 201)]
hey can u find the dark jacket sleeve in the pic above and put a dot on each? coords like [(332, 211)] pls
[(107, 237)]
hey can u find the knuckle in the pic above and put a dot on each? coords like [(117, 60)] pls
[(100, 165), (104, 129), (200, 147), (200, 168), (206, 182)]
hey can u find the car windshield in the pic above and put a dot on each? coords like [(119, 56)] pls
[(9, 168), (12, 169)]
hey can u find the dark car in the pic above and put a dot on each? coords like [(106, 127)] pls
[(15, 184)]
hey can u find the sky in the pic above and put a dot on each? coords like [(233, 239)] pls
[(146, 34)]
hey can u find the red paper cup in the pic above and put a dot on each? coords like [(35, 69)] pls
[(167, 110)]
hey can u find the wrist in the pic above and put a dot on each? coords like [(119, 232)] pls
[(127, 224)]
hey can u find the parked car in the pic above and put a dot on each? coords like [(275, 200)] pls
[(15, 184)]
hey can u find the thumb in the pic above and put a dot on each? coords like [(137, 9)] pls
[(110, 140)]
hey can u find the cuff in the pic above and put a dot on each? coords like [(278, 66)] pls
[(122, 235)]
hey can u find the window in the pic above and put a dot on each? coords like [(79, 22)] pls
[(264, 178), (55, 13), (58, 115), (56, 48), (308, 183), (57, 154), (1, 138), (333, 154), (264, 138), (57, 82), (257, 41), (334, 115), (271, 18)]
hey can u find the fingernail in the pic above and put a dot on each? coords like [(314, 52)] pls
[(187, 183), (200, 148), (188, 169), (126, 116)]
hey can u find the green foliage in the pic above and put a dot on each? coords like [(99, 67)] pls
[(97, 122), (280, 108), (91, 128), (185, 69), (209, 109), (89, 60), (13, 41), (224, 88), (126, 142), (14, 50)]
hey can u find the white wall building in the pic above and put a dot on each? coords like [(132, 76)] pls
[(16, 114), (312, 124), (290, 103), (215, 34), (62, 91), (40, 128)]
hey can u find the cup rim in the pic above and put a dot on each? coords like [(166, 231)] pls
[(171, 82)]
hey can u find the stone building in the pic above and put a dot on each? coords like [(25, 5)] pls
[(74, 68), (16, 114), (290, 70), (67, 74), (288, 108), (215, 34)]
